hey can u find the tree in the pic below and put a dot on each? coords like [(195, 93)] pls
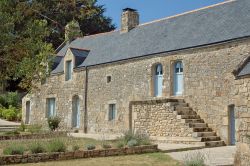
[(87, 13), (29, 26), (23, 50)]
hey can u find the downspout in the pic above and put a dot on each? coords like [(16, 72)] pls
[(85, 102)]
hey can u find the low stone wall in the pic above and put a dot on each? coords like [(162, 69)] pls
[(43, 157), (157, 118), (33, 136)]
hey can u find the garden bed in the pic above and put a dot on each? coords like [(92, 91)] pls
[(33, 136), (56, 156)]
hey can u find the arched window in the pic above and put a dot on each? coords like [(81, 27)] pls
[(158, 69), (158, 80), (178, 67)]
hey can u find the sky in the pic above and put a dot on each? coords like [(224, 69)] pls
[(150, 10)]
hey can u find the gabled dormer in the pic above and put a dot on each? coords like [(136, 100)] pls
[(71, 60)]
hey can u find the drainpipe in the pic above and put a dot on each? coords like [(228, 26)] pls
[(85, 102)]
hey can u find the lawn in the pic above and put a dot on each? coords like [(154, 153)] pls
[(151, 159)]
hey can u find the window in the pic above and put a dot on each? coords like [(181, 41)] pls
[(178, 67), (51, 107), (68, 68), (108, 79), (158, 69), (112, 112)]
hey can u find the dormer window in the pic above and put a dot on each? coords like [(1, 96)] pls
[(68, 72)]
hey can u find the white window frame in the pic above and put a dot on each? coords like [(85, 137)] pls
[(49, 112)]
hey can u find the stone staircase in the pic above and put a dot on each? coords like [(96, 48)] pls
[(201, 131)]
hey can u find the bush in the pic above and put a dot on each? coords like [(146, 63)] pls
[(11, 98), (141, 138), (76, 147), (90, 147), (22, 127), (132, 143), (53, 123), (10, 114), (35, 128), (120, 144), (56, 146), (14, 150), (37, 148), (197, 159), (106, 146)]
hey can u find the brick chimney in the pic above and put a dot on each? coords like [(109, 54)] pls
[(130, 19)]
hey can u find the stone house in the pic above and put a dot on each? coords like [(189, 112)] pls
[(177, 79)]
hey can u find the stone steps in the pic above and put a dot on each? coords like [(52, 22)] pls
[(192, 120), (210, 138), (203, 134), (201, 131), (188, 117), (197, 125), (214, 143), (186, 111)]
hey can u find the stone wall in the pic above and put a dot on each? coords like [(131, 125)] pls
[(44, 157), (157, 118), (242, 112)]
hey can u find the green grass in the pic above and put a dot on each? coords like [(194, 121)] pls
[(151, 159)]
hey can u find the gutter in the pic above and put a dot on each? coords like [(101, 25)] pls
[(86, 101)]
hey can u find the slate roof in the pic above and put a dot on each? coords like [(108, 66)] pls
[(243, 69), (214, 24)]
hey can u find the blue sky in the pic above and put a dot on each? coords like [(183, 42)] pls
[(152, 9)]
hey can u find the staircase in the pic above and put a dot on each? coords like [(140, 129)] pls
[(201, 131), (4, 128)]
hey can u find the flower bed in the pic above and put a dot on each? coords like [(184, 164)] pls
[(43, 157), (33, 136)]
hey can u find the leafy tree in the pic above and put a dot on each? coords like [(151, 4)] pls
[(29, 26), (23, 50), (87, 13)]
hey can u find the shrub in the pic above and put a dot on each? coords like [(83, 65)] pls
[(106, 146), (10, 98), (196, 159), (56, 146), (120, 144), (13, 150), (141, 138), (53, 122), (132, 143), (36, 148), (90, 147), (76, 147), (10, 114), (1, 111), (35, 128), (22, 127)]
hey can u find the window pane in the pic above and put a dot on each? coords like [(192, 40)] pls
[(68, 70)]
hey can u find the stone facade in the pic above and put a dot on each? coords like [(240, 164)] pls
[(209, 87), (242, 107), (63, 92)]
